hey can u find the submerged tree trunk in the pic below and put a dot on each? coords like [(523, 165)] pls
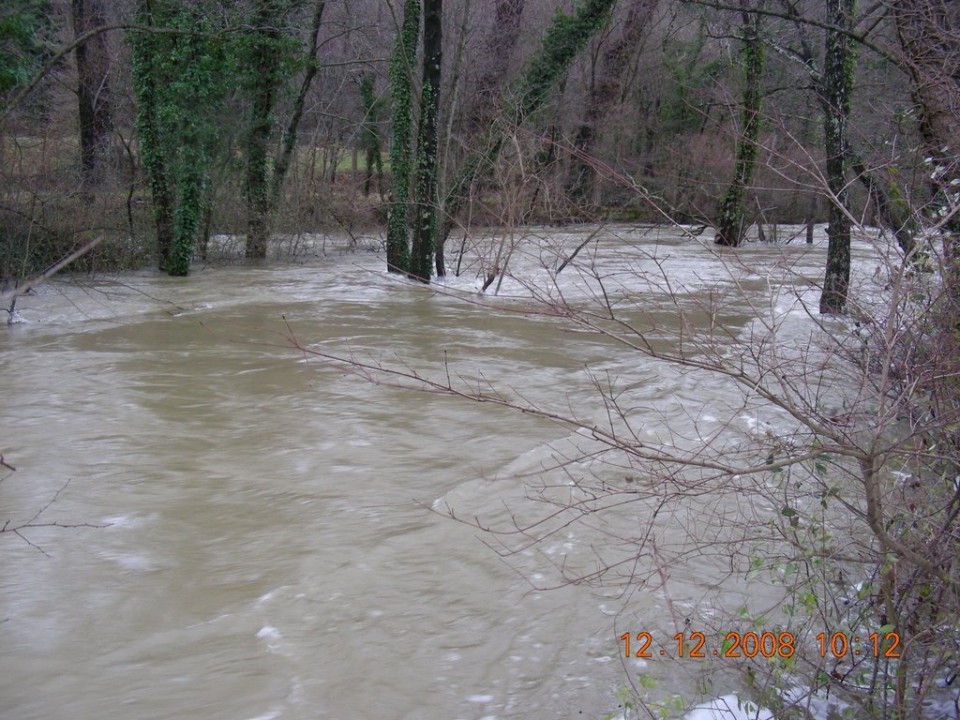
[(425, 208), (836, 89), (401, 151), (730, 225), (93, 89), (146, 86)]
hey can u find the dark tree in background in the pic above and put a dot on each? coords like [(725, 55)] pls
[(93, 88), (564, 40), (606, 88), (370, 133), (288, 144), (266, 60), (499, 45), (929, 32), (730, 225), (181, 76)]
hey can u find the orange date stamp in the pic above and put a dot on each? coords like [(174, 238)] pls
[(764, 644)]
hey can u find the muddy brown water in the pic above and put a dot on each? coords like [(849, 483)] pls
[(272, 538)]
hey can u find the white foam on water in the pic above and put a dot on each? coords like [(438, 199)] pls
[(729, 707), (480, 698), (268, 632)]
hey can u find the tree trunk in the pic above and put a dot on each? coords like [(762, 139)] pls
[(93, 90), (614, 66), (146, 83), (836, 88), (564, 40), (483, 112), (194, 157), (929, 32), (289, 143), (425, 224), (731, 226), (498, 48), (890, 215), (265, 58), (188, 217), (401, 151), (369, 133)]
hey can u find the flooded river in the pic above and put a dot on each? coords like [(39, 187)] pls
[(264, 534)]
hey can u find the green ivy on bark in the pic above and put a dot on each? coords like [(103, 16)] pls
[(401, 152)]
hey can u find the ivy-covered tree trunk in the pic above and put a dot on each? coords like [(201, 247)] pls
[(425, 208), (836, 89), (730, 222), (188, 216), (93, 88), (265, 58), (401, 151), (893, 214), (146, 85), (180, 76), (191, 91)]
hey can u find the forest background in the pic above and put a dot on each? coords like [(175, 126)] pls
[(156, 125)]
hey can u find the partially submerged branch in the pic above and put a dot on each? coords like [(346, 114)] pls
[(25, 287), (34, 522)]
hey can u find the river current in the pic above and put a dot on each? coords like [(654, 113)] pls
[(255, 532)]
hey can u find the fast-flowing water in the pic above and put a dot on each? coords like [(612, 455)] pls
[(264, 534)]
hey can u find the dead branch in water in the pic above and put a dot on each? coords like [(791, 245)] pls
[(12, 295)]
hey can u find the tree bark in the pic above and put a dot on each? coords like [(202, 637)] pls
[(194, 156), (289, 143), (929, 32), (614, 65), (836, 89), (401, 151), (93, 88), (369, 133), (498, 48), (265, 58), (146, 82), (425, 224), (730, 228), (565, 38)]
